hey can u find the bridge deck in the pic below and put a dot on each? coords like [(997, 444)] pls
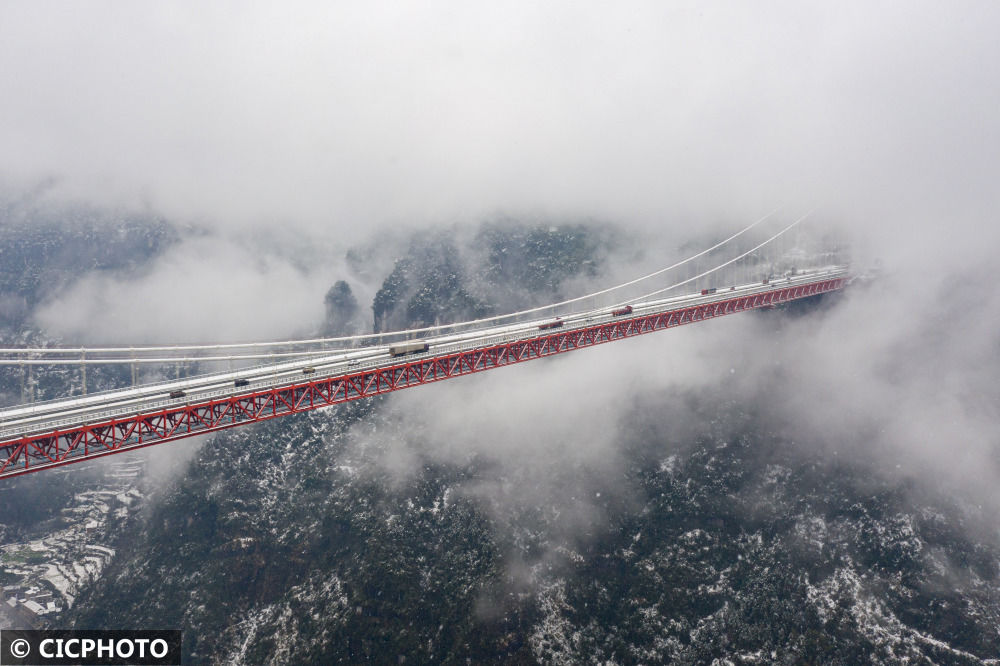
[(37, 437)]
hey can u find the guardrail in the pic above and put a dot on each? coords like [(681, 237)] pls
[(347, 368)]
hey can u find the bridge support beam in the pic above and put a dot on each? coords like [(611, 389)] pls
[(74, 443)]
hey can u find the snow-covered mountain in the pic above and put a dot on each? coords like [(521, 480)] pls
[(704, 530)]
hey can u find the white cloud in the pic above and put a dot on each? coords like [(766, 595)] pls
[(349, 121), (204, 289), (335, 118)]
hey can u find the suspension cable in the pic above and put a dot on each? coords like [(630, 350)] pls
[(723, 265), (389, 334), (327, 352)]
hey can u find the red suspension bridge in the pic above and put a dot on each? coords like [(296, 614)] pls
[(40, 436)]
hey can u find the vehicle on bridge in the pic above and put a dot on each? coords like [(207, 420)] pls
[(408, 348), (39, 436), (706, 292)]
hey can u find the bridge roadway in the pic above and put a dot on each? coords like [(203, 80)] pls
[(59, 432)]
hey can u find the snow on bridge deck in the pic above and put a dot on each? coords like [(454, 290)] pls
[(46, 435)]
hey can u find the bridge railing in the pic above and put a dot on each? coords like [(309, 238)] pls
[(264, 382), (750, 263)]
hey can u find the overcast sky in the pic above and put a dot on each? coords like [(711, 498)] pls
[(345, 116)]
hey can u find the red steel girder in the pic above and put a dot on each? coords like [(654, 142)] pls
[(40, 451)]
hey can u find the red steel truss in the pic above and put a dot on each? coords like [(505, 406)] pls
[(38, 451)]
